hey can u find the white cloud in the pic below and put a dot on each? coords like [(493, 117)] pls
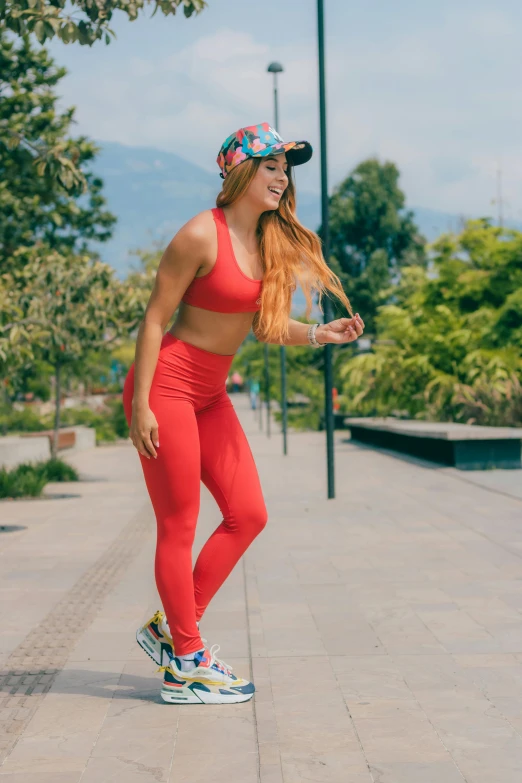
[(487, 22), (443, 100)]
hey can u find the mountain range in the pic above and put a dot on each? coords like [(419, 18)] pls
[(153, 193)]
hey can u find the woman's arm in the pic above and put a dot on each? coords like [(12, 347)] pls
[(298, 333), (342, 330)]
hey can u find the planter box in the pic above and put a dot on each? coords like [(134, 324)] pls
[(464, 446), (14, 450)]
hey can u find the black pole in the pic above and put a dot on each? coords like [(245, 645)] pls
[(283, 398), (328, 314), (283, 347), (267, 390)]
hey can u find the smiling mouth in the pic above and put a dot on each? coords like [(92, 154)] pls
[(275, 191)]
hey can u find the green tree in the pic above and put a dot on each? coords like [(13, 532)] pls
[(450, 346), (18, 328), (372, 235), (67, 305), (88, 22), (141, 275), (46, 207)]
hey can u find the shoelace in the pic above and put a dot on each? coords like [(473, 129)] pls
[(213, 650)]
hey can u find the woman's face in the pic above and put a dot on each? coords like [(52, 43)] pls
[(270, 182)]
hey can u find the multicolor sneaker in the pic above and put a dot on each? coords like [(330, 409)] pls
[(210, 682), (154, 637)]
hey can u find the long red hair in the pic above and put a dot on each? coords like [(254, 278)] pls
[(290, 254)]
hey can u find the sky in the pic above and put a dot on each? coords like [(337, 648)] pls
[(433, 86)]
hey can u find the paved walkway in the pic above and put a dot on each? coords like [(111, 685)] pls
[(382, 628)]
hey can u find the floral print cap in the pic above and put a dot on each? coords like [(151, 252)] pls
[(258, 141)]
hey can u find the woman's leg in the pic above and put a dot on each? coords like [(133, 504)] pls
[(173, 483), (229, 472)]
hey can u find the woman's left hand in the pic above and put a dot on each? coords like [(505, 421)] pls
[(343, 330)]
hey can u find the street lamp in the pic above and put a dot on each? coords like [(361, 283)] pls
[(276, 68), (328, 314)]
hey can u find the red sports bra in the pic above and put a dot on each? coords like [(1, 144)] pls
[(226, 288)]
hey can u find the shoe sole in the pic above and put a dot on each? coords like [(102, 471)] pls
[(152, 646), (188, 696)]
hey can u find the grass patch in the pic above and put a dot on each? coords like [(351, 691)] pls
[(29, 478), (58, 470)]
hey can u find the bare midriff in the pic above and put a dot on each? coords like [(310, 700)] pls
[(220, 333)]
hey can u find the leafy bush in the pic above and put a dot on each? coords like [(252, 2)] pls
[(449, 348), (20, 421), (20, 482), (110, 424), (117, 417), (58, 470), (73, 416), (29, 478), (105, 432), (493, 400)]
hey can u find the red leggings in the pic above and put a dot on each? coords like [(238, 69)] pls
[(201, 439)]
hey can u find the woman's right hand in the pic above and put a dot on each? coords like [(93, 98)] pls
[(143, 431)]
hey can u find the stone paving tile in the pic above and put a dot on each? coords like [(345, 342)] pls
[(115, 646), (363, 677), (396, 730), (416, 772), (490, 766), (237, 765), (306, 724), (152, 767), (220, 732), (64, 715), (433, 672), (403, 630), (132, 743), (32, 752), (293, 641), (465, 721), (270, 773), (453, 628), (325, 768), (491, 613), (39, 776)]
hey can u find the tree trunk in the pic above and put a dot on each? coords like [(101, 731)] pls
[(7, 403), (58, 394)]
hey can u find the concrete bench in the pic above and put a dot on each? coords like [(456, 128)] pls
[(33, 446), (66, 438), (14, 450), (464, 446)]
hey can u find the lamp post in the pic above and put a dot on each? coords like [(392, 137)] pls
[(328, 314), (276, 68)]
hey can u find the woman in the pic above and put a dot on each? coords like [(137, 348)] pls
[(255, 388), (229, 269)]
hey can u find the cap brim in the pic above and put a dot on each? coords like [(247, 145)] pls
[(297, 152)]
